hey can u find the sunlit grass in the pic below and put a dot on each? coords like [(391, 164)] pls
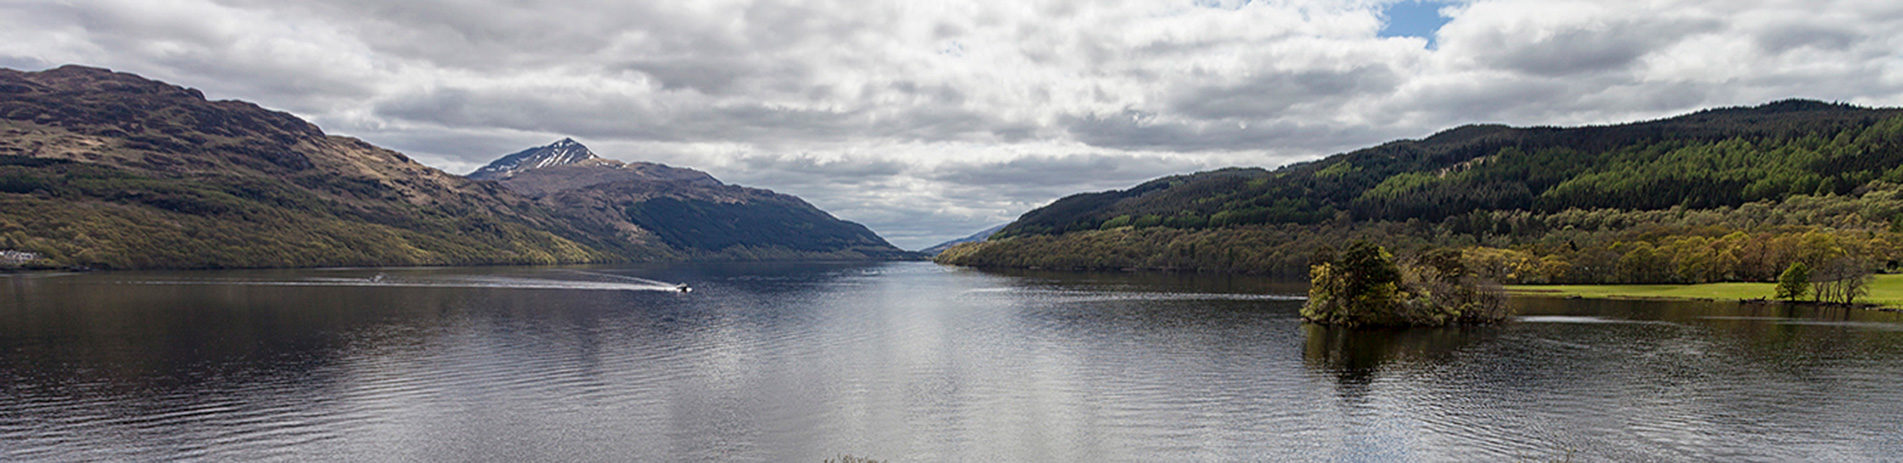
[(1886, 290)]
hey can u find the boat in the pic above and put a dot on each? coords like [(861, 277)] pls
[(683, 288)]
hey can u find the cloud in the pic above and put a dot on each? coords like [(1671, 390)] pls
[(1034, 170), (1272, 95), (930, 120), (1564, 38)]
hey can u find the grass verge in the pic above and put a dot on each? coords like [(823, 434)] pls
[(1885, 290)]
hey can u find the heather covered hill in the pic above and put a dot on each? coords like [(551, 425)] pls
[(1639, 202), (109, 170)]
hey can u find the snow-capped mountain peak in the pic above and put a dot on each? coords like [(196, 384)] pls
[(564, 152)]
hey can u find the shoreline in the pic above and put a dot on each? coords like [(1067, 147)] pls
[(1885, 293)]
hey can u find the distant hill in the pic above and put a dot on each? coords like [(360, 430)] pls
[(688, 210), (975, 237), (1493, 167), (1497, 186), (110, 170)]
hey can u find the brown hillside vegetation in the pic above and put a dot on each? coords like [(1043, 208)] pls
[(109, 170)]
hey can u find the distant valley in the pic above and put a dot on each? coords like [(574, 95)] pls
[(981, 235)]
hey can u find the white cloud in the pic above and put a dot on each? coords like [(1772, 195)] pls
[(929, 120)]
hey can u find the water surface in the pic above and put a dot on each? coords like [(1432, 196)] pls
[(902, 361)]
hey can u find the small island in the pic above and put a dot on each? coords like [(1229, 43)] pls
[(1362, 285)]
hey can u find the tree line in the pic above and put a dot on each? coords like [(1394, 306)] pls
[(1755, 241), (1719, 158)]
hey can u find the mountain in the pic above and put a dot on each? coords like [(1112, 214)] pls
[(1546, 192), (1489, 167), (973, 238), (109, 170), (687, 210), (561, 153)]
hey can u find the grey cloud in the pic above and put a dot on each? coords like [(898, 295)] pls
[(609, 115), (488, 35), (205, 53), (946, 30), (778, 23), (1577, 51), (1574, 52), (819, 169), (1068, 170), (1787, 37), (24, 63), (713, 75), (1129, 90), (937, 94), (1465, 101), (1133, 130), (457, 151), (1274, 95)]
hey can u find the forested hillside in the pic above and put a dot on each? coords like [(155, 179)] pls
[(1718, 195)]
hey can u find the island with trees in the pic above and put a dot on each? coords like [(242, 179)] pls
[(1364, 285)]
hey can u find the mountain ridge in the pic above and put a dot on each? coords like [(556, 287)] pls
[(1561, 200), (686, 209), (1448, 149), (981, 235), (103, 169), (109, 170)]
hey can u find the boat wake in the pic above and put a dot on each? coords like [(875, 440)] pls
[(1062, 295), (569, 280)]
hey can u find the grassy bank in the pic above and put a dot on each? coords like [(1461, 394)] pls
[(1886, 290)]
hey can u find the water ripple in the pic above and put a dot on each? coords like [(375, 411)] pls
[(903, 362)]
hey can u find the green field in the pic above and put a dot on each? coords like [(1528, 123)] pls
[(1884, 289)]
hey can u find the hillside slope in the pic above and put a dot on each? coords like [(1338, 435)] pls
[(688, 210), (981, 235), (1505, 188), (109, 170)]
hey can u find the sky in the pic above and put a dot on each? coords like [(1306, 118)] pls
[(927, 121)]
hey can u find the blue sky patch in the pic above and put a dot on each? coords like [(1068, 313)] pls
[(1413, 18)]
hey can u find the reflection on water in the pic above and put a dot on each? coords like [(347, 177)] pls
[(902, 361), (1355, 355)]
